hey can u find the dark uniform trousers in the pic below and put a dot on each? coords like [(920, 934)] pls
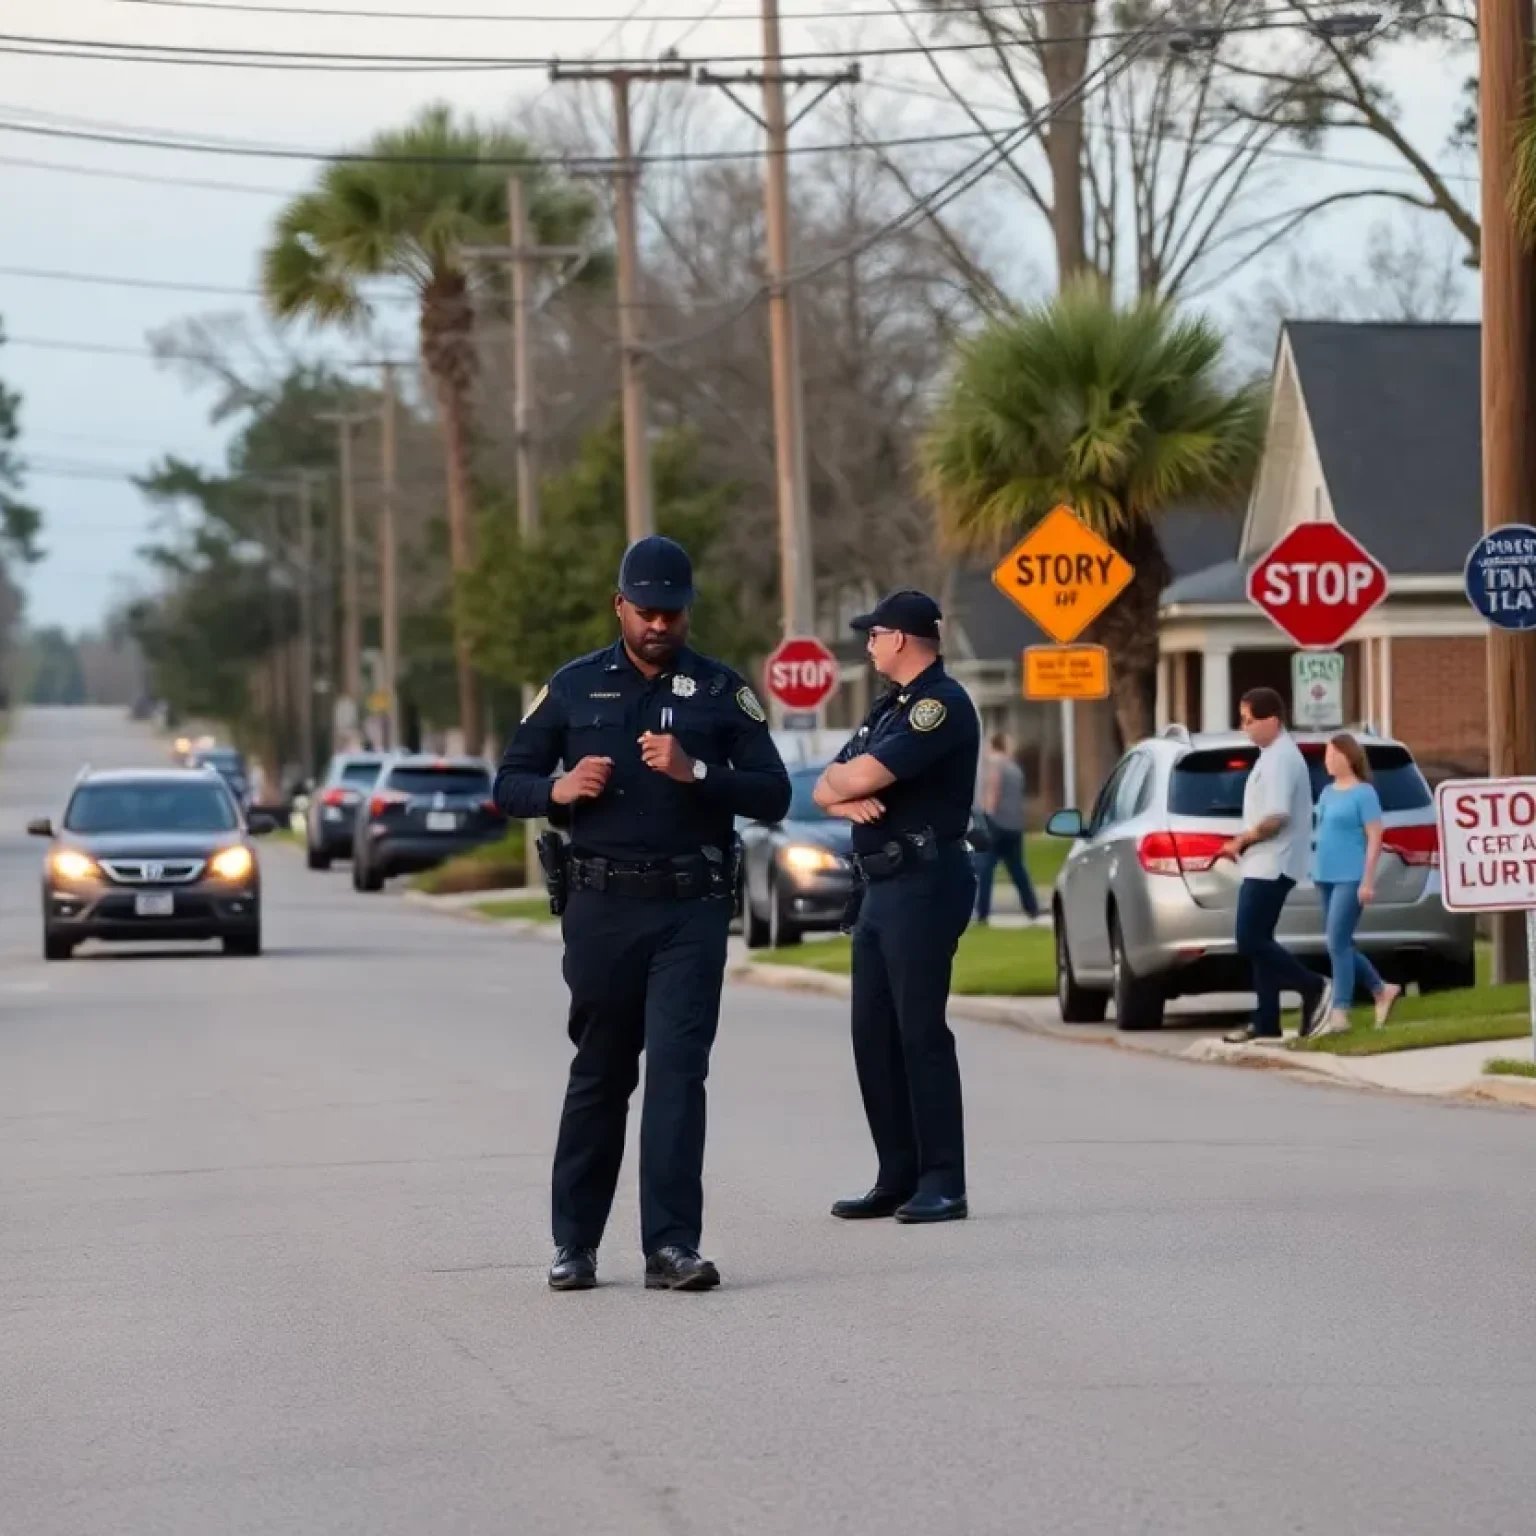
[(644, 975), (903, 953)]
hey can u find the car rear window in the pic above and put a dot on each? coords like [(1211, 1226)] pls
[(1211, 783), (802, 802), (360, 774), (440, 781)]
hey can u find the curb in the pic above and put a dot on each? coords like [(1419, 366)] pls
[(1502, 1090), (513, 927)]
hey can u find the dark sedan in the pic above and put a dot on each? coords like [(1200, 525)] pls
[(230, 765), (151, 855), (331, 819), (421, 812), (796, 872)]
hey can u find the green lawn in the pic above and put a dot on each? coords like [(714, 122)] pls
[(1510, 1066), (535, 907), (1482, 1012), (992, 962), (493, 867)]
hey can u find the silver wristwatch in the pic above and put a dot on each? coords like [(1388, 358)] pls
[(699, 771)]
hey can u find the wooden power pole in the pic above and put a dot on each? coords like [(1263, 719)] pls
[(639, 513), (351, 609), (1509, 401), (796, 567)]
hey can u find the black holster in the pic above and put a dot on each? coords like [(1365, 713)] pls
[(555, 861), (853, 906)]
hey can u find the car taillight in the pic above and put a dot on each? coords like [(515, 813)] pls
[(1419, 846), (1179, 853), (385, 801), (334, 797)]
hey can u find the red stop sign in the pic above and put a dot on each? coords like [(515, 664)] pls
[(801, 673), (1317, 583)]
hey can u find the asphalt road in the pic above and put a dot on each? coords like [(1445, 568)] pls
[(273, 1234)]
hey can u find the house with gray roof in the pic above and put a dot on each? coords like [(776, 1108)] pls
[(1377, 427)]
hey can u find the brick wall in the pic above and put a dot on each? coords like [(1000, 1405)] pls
[(1440, 702)]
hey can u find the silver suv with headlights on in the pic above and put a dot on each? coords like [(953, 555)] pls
[(1144, 909)]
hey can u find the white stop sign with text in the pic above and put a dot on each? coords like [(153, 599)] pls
[(1487, 844)]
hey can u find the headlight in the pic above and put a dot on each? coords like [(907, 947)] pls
[(804, 859), (233, 863), (70, 865)]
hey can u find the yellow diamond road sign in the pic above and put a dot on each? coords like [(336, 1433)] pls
[(1063, 575)]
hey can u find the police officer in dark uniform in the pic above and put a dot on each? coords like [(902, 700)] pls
[(907, 781), (664, 749)]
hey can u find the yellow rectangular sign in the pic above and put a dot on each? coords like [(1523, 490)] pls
[(1063, 575), (1066, 672)]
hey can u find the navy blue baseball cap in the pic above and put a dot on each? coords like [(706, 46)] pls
[(911, 612), (657, 573)]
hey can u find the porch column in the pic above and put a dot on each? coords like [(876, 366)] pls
[(1216, 688), (1164, 691)]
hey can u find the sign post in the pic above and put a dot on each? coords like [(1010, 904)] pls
[(1063, 576), (1488, 853)]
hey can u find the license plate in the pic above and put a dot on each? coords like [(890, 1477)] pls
[(442, 821), (157, 904)]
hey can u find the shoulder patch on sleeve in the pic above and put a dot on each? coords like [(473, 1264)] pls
[(928, 715), (543, 694), (749, 705)]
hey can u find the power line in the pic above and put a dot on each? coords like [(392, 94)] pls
[(163, 285), (145, 178), (712, 14), (304, 60)]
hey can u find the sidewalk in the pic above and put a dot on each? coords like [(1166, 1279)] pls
[(1193, 1030)]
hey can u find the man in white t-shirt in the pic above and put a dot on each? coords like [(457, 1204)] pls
[(1273, 851)]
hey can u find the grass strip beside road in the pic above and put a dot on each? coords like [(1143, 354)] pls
[(494, 867), (1509, 1066), (992, 962), (524, 908)]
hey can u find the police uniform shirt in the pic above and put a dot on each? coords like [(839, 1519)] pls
[(599, 706), (928, 735)]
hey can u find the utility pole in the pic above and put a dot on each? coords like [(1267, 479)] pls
[(389, 591), (351, 613), (639, 513), (797, 578), (1509, 403), (307, 623)]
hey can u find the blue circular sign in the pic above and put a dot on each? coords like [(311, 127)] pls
[(1501, 576)]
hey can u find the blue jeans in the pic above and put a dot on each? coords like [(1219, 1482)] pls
[(1008, 850), (1341, 916), (1275, 969)]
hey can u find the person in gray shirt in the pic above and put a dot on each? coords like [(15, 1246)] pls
[(1000, 798)]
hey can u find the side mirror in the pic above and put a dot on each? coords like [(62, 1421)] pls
[(1065, 824), (42, 827), (259, 824)]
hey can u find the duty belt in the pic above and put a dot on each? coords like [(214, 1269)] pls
[(680, 879), (908, 850)]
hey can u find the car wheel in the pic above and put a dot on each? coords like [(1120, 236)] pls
[(1439, 974), (318, 860), (366, 878), (782, 929), (1078, 1004), (243, 943), (757, 930), (1138, 1002), (57, 948)]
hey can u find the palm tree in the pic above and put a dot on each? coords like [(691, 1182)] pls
[(1118, 413), (437, 185)]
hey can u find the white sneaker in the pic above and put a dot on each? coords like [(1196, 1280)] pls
[(1312, 1018), (1386, 1001), (1337, 1023)]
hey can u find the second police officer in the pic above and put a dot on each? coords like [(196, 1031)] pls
[(663, 748), (907, 781)]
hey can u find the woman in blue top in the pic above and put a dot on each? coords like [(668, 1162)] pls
[(1344, 862)]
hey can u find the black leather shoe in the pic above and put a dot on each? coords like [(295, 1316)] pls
[(574, 1269), (878, 1203), (928, 1208), (679, 1269)]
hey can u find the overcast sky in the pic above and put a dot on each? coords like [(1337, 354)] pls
[(89, 417)]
